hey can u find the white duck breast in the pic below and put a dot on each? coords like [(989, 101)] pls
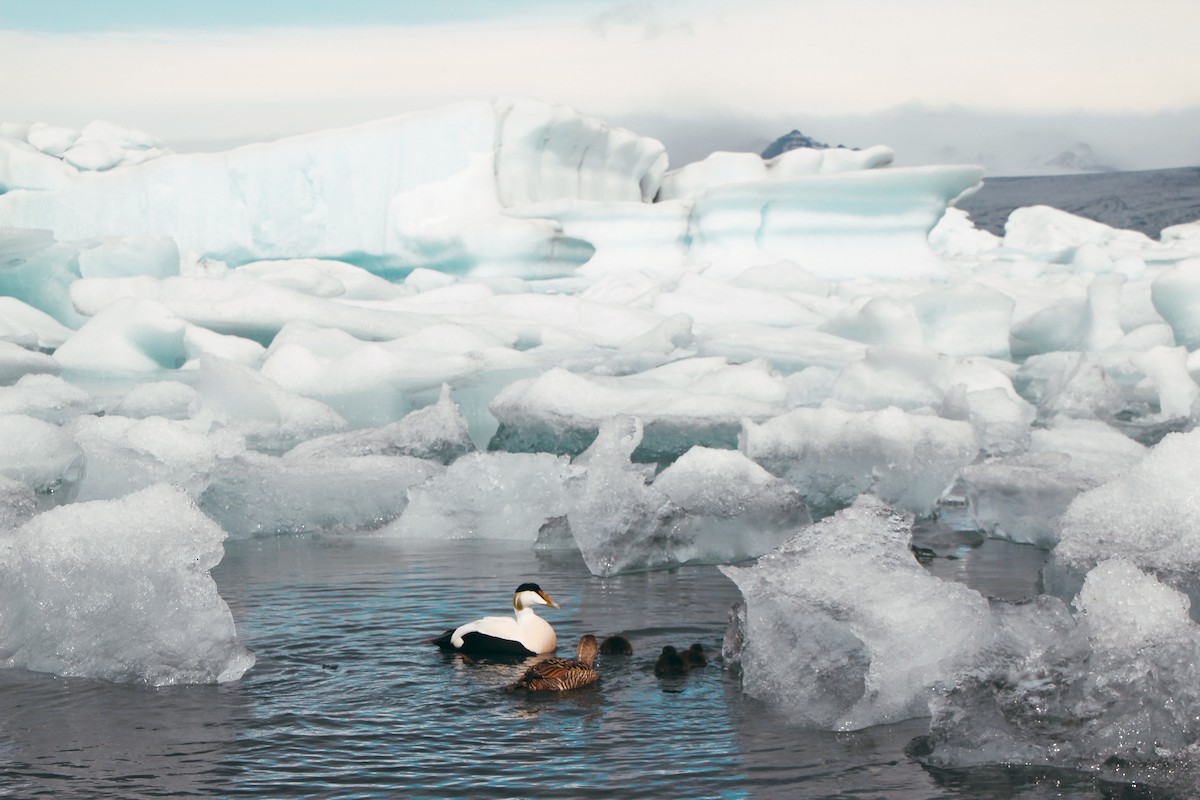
[(523, 634)]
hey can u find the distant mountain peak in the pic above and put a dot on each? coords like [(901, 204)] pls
[(1079, 157), (792, 141)]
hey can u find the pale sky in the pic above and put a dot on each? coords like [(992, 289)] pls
[(745, 70)]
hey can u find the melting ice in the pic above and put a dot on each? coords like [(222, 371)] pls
[(506, 319)]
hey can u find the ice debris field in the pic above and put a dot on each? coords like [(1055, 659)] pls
[(509, 320)]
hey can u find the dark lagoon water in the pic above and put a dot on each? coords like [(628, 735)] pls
[(348, 700)]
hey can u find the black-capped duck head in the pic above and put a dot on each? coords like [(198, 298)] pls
[(528, 595)]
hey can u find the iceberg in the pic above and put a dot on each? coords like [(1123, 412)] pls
[(841, 628), (257, 495), (1109, 691), (709, 506), (119, 590), (833, 456), (425, 188)]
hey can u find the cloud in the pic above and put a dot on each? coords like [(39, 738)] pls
[(714, 60)]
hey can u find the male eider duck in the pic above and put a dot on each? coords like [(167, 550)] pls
[(526, 634), (562, 674)]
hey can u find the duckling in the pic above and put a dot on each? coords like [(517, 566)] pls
[(669, 663), (525, 634), (562, 674), (694, 657), (616, 645)]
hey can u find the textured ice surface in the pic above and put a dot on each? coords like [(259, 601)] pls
[(438, 432), (832, 456), (488, 496), (255, 494), (41, 456), (118, 590), (1021, 497), (270, 417), (688, 402), (125, 455), (733, 509), (22, 324), (47, 397), (841, 628), (18, 503), (1148, 515), (1111, 690)]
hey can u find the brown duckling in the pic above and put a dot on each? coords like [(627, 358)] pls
[(694, 656), (616, 645), (562, 674), (669, 663)]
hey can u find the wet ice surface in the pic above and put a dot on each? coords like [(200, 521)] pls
[(347, 699)]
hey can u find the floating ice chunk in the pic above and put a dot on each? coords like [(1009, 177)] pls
[(708, 301), (619, 522), (1150, 515), (878, 320), (42, 456), (1022, 497), (733, 509), (1166, 367), (242, 305), (955, 236), (119, 590), (842, 628), (268, 416), (1070, 384), (126, 455), (255, 494), (93, 156), (53, 140), (151, 256), (438, 432), (916, 379), (39, 272), (1073, 323), (488, 496), (128, 336), (1185, 236), (325, 278), (965, 320), (371, 383), (787, 349), (131, 336), (48, 398), (22, 324), (1112, 693), (1176, 296), (23, 166), (16, 361), (18, 505), (168, 399), (694, 401), (1050, 233), (1000, 418), (832, 456)]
